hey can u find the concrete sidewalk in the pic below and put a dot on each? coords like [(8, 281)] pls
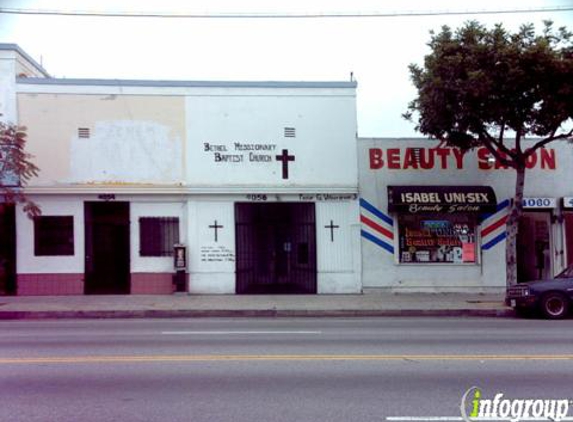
[(183, 305)]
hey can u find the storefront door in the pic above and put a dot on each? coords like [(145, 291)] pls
[(107, 248), (534, 246), (7, 249), (569, 237), (276, 248)]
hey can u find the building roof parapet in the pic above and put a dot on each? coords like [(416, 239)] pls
[(28, 58), (75, 189), (188, 84)]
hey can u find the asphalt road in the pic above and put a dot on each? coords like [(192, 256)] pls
[(266, 370)]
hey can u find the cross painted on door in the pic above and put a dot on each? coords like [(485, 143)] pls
[(332, 226), (216, 227), (285, 158)]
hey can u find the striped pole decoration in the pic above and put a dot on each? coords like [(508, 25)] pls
[(493, 226), (377, 227)]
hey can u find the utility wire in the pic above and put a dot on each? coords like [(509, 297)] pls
[(410, 13)]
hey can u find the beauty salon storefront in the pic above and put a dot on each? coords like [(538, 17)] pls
[(433, 219)]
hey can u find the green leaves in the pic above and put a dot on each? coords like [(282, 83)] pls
[(16, 167), (479, 86), (478, 81)]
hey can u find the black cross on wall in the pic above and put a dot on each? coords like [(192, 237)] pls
[(216, 227), (285, 158), (331, 227)]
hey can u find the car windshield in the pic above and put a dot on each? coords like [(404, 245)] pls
[(567, 272)]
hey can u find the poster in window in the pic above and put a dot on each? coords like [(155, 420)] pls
[(469, 252), (457, 255), (437, 238)]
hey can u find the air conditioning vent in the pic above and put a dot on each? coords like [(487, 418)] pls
[(290, 132), (83, 132), (417, 153)]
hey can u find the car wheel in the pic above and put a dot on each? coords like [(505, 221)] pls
[(555, 305)]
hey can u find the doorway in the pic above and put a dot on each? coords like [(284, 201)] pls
[(107, 268), (276, 248), (569, 237), (534, 246), (7, 249)]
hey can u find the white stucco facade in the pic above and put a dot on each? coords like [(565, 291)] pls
[(184, 154), (14, 63)]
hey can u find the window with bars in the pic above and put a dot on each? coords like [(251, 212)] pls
[(157, 235), (84, 132), (53, 235), (290, 132)]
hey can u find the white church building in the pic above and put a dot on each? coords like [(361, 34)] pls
[(256, 181)]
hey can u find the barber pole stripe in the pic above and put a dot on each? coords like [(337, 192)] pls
[(377, 227), (493, 226), (373, 225), (377, 241), (493, 242), (375, 211)]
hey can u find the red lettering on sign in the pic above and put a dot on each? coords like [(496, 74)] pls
[(410, 159), (429, 163), (531, 160), (548, 160), (443, 153), (498, 165), (483, 159), (376, 161), (459, 156), (446, 158), (393, 158)]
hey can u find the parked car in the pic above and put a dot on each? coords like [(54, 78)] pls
[(553, 298)]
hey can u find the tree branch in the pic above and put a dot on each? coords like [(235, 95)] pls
[(500, 148), (501, 133), (497, 155), (518, 144), (547, 140)]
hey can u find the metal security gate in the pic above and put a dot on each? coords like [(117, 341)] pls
[(276, 248)]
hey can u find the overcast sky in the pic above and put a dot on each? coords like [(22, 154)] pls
[(378, 50)]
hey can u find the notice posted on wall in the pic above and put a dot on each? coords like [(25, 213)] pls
[(468, 252), (217, 253)]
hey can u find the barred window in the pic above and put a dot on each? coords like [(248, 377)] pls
[(53, 235), (157, 235)]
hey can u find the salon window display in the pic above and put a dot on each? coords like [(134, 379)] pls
[(437, 238)]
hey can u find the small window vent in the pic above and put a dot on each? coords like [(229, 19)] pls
[(83, 132), (290, 132), (417, 153)]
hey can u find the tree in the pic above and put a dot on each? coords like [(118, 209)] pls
[(16, 168), (493, 88)]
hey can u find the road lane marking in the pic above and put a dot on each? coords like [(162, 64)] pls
[(242, 358), (423, 418), (459, 418), (221, 333), (153, 333)]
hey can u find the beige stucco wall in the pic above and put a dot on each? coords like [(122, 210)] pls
[(133, 139)]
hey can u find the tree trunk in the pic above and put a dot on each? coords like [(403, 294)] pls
[(512, 227)]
